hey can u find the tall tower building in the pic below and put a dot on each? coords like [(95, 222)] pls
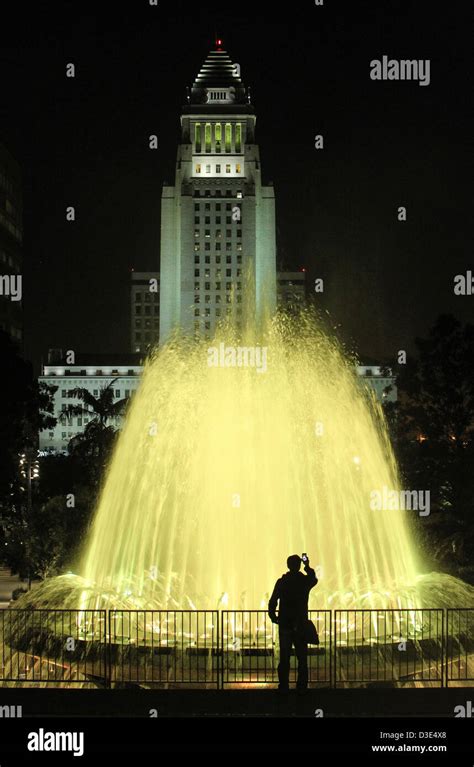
[(218, 250)]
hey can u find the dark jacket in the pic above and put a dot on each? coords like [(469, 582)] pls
[(292, 589)]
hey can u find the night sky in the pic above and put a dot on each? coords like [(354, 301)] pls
[(84, 142)]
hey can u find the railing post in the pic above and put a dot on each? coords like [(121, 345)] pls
[(444, 650), (107, 655), (220, 620), (334, 648)]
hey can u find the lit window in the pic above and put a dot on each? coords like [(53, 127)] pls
[(198, 168), (197, 138), (218, 134), (228, 138), (238, 168), (208, 137), (227, 168), (238, 139)]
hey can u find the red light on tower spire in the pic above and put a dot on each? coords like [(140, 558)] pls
[(219, 44)]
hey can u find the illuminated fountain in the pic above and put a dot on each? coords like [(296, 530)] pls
[(223, 471)]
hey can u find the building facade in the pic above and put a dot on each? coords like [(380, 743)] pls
[(381, 380), (291, 289), (145, 311), (11, 238), (91, 372), (218, 245), (145, 303)]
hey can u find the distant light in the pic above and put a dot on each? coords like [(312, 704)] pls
[(303, 269), (219, 43)]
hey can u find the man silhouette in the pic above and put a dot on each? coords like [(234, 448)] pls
[(292, 589)]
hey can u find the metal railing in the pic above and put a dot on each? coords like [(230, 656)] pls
[(60, 647), (164, 647), (232, 648), (389, 646), (250, 652), (460, 645)]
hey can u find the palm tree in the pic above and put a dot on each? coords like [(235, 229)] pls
[(103, 407), (95, 442)]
